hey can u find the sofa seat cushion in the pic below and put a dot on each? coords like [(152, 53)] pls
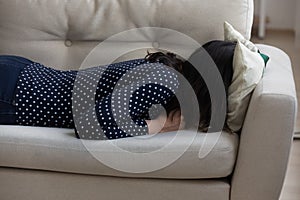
[(210, 155)]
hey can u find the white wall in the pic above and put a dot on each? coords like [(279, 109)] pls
[(297, 24), (280, 12)]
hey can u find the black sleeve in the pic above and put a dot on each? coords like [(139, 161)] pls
[(123, 112)]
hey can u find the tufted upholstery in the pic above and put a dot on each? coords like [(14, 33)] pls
[(45, 163), (61, 33)]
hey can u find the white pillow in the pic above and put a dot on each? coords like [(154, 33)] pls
[(248, 67), (230, 34)]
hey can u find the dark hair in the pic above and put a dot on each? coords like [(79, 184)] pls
[(221, 53)]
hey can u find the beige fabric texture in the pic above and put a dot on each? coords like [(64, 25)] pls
[(34, 184), (267, 132), (231, 34), (59, 150), (62, 33), (248, 67)]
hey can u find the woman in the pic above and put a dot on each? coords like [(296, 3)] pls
[(34, 95)]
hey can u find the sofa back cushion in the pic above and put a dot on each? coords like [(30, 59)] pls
[(61, 33)]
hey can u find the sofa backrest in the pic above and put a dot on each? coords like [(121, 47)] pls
[(63, 32)]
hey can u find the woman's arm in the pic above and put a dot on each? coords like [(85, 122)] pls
[(163, 123), (123, 112)]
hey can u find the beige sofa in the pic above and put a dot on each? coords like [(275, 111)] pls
[(49, 163)]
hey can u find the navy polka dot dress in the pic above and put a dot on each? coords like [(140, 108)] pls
[(105, 102)]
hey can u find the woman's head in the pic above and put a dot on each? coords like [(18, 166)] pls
[(221, 53)]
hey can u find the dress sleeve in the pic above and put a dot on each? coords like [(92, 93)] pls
[(123, 112)]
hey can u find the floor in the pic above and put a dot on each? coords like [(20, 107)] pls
[(291, 187), (286, 41)]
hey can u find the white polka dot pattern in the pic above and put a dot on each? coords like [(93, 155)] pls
[(127, 107), (113, 105), (44, 97)]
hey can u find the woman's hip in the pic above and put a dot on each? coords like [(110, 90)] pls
[(7, 113), (10, 68)]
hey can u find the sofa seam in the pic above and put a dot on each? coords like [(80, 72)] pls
[(54, 147)]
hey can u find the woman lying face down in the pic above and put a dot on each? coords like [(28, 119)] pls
[(32, 94)]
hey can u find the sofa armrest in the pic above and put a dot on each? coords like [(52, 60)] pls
[(267, 133)]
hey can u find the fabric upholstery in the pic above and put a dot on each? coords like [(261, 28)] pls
[(267, 132), (25, 184), (58, 150), (62, 33), (248, 68), (230, 34)]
